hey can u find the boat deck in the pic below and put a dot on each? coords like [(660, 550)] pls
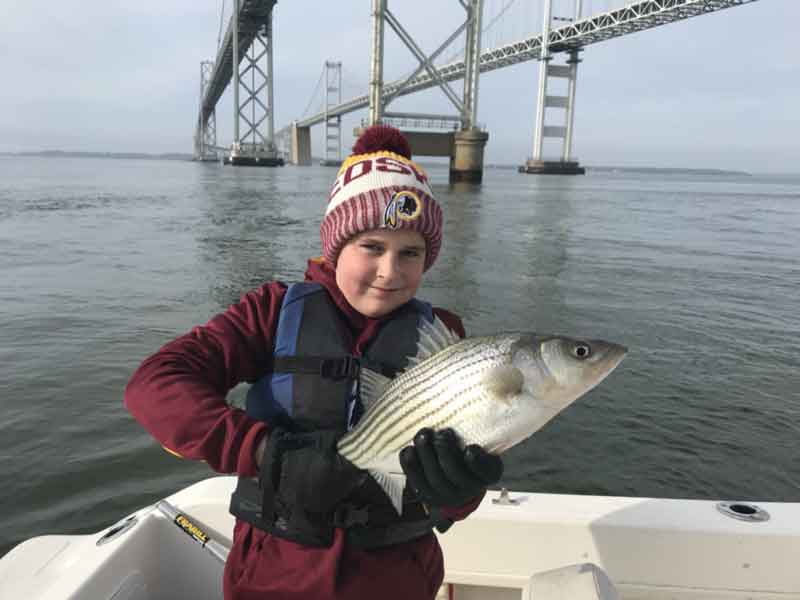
[(655, 549)]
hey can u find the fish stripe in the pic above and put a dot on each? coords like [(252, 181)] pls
[(447, 419), (418, 389), (415, 389), (387, 422), (425, 419)]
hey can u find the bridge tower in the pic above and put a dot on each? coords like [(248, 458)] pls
[(333, 124), (548, 70), (253, 118), (465, 145), (205, 136)]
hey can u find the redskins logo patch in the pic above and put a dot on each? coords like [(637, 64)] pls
[(404, 206)]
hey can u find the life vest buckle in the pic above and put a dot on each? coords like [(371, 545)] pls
[(347, 367)]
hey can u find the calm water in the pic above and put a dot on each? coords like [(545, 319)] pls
[(102, 261)]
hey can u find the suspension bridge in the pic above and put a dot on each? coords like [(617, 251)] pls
[(244, 61)]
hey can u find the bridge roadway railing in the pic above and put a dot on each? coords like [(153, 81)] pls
[(637, 16), (253, 15)]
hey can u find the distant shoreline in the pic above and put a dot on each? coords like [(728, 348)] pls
[(188, 157), (645, 170), (71, 154)]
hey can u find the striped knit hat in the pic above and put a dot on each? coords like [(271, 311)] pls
[(380, 187)]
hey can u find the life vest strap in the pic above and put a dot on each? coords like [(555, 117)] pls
[(335, 368)]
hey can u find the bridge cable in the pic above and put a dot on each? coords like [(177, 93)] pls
[(316, 90), (351, 81), (497, 17), (485, 29)]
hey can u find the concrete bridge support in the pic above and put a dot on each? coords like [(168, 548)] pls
[(300, 146), (466, 159)]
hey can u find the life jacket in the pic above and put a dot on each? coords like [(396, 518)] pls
[(313, 385)]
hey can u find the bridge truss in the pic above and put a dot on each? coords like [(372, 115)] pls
[(248, 46), (637, 16)]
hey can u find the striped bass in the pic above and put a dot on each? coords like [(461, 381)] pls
[(494, 391)]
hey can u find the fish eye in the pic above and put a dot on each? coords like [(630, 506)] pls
[(581, 351)]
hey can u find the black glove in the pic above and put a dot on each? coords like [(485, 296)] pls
[(304, 471), (445, 474)]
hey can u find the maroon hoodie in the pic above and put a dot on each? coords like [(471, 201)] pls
[(178, 395)]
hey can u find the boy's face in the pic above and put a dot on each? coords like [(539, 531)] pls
[(380, 270)]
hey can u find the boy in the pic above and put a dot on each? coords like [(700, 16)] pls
[(309, 524)]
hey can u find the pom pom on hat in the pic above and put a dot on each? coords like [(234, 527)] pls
[(380, 187), (382, 137)]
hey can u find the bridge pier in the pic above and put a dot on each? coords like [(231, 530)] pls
[(300, 153), (552, 167), (252, 155), (466, 159)]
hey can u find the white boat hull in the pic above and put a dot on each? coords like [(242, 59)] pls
[(655, 549)]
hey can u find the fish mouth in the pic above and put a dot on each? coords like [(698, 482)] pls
[(616, 352), (612, 357), (613, 354)]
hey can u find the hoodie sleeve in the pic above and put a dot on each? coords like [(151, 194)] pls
[(179, 393)]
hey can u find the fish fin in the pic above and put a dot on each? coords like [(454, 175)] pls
[(503, 381), (433, 337), (372, 386), (393, 484)]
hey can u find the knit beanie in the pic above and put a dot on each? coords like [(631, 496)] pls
[(379, 187)]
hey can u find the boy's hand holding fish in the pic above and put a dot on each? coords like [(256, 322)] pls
[(443, 472)]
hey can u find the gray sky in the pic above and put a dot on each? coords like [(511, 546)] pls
[(717, 91)]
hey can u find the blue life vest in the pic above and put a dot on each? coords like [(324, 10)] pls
[(314, 380), (313, 385)]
